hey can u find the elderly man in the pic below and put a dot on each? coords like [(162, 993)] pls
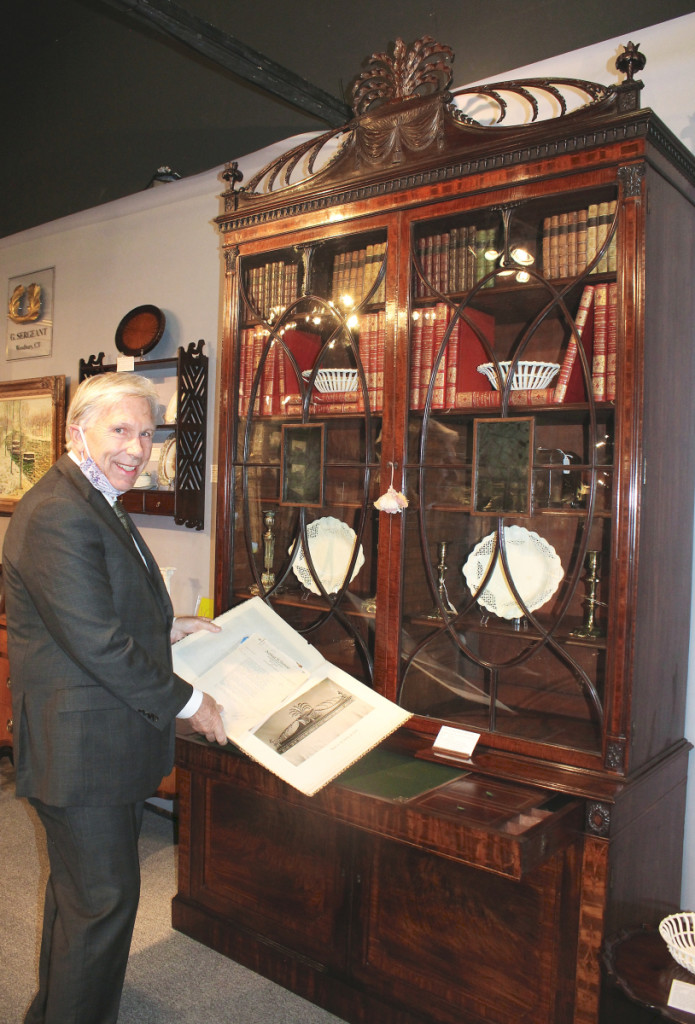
[(90, 628)]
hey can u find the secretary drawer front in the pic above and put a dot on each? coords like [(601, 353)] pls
[(498, 826), (501, 826)]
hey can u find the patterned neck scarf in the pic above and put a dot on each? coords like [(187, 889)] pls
[(95, 476)]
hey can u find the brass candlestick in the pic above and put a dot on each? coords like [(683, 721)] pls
[(267, 576), (441, 584), (590, 627)]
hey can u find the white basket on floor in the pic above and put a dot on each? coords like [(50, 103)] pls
[(678, 932)]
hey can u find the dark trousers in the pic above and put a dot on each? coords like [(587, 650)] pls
[(91, 901)]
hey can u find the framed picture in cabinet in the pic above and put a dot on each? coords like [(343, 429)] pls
[(32, 423), (303, 452), (502, 466)]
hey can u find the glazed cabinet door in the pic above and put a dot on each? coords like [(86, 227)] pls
[(509, 440), (309, 401)]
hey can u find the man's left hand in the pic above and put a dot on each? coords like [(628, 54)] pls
[(185, 624)]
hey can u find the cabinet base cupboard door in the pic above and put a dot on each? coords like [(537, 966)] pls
[(454, 376)]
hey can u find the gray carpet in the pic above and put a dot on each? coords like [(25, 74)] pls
[(171, 979)]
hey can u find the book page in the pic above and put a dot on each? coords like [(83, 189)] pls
[(250, 680), (327, 725), (198, 652), (285, 705)]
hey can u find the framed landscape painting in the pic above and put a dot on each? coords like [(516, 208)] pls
[(32, 422)]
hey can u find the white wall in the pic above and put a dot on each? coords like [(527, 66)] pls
[(160, 246)]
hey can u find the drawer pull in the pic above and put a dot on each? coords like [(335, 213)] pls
[(10, 723)]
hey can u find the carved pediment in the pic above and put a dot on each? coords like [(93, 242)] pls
[(407, 123)]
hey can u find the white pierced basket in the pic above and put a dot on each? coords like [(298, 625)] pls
[(678, 932), (334, 381), (529, 374)]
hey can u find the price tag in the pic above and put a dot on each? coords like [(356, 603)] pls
[(458, 742), (682, 996)]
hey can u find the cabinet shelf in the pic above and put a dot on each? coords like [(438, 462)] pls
[(312, 603), (512, 303), (251, 323), (458, 467), (471, 623), (316, 413), (273, 500), (553, 408), (576, 513)]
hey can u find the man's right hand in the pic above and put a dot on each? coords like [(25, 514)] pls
[(208, 721)]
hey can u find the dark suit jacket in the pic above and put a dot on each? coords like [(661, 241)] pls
[(94, 694)]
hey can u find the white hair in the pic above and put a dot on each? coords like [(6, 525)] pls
[(104, 390)]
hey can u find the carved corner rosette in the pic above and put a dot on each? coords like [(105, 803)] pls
[(598, 819), (615, 756), (231, 256), (631, 177)]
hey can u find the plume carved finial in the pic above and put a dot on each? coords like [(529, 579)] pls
[(420, 70)]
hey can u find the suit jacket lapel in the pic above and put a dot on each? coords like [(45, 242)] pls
[(154, 575), (101, 506)]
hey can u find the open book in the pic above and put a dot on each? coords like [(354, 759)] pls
[(284, 705)]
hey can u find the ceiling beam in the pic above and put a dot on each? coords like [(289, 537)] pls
[(229, 53)]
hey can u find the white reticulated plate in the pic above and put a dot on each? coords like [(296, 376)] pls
[(534, 565), (331, 543), (167, 462)]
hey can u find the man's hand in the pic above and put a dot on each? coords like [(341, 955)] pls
[(208, 721), (185, 624)]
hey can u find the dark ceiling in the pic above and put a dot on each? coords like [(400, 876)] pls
[(94, 99)]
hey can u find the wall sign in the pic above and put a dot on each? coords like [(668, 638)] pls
[(30, 314)]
